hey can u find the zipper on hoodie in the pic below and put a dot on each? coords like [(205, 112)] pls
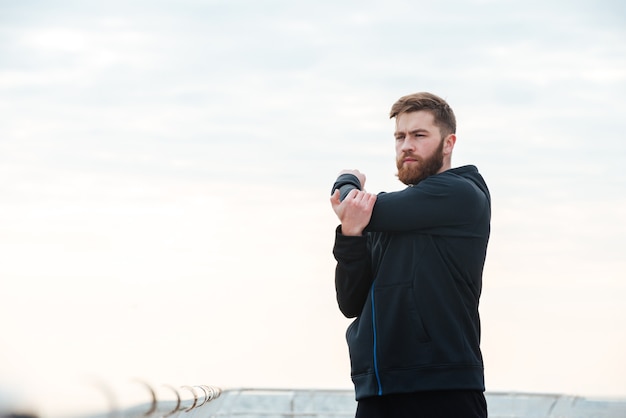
[(380, 387)]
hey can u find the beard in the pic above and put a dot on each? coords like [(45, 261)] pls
[(425, 167)]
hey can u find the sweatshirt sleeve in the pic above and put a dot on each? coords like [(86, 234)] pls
[(353, 274), (438, 204), (345, 183)]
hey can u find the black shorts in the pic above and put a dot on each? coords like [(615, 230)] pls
[(431, 404)]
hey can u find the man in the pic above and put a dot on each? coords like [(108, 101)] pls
[(409, 268)]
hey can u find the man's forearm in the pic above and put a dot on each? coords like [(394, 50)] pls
[(353, 274)]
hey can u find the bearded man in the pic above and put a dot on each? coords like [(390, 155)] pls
[(409, 270)]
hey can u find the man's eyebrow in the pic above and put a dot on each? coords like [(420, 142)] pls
[(413, 132)]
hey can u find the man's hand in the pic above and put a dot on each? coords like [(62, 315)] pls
[(355, 211)]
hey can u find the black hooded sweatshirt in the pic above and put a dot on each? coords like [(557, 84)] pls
[(413, 282)]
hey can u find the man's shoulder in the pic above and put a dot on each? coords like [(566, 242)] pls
[(462, 182), (457, 176), (462, 172), (465, 176)]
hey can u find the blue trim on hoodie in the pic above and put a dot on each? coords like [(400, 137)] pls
[(380, 387)]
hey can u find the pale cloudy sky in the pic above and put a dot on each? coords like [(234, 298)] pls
[(165, 171)]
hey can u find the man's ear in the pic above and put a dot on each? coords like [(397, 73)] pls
[(448, 144)]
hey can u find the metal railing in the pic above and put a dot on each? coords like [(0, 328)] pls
[(140, 399), (97, 398)]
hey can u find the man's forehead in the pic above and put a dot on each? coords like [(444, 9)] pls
[(418, 120)]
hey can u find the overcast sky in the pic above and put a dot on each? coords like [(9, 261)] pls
[(165, 170)]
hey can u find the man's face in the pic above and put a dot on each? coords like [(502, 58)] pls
[(419, 146)]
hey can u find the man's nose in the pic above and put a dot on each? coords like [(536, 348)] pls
[(407, 145)]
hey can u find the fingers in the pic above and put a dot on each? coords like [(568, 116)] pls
[(361, 197), (350, 171), (363, 200), (366, 200), (355, 197), (335, 198), (370, 199), (358, 196), (353, 194)]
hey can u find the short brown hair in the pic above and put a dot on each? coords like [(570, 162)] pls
[(444, 116)]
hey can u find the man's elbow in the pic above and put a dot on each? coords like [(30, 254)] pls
[(349, 310)]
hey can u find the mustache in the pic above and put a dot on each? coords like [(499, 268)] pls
[(406, 155)]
